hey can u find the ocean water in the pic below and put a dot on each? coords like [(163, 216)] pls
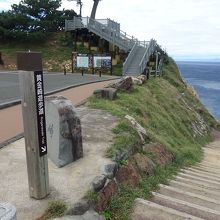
[(205, 78)]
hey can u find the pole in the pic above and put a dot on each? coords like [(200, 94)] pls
[(32, 96), (156, 65)]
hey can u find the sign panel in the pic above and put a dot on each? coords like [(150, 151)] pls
[(106, 62), (97, 62), (82, 61), (41, 122), (102, 62)]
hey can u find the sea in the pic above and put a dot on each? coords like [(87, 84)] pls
[(205, 78)]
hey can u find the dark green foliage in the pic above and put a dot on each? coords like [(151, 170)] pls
[(31, 20)]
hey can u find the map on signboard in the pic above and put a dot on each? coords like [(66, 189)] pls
[(97, 62), (106, 62), (102, 62), (82, 61)]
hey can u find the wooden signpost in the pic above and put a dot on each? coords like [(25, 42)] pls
[(33, 110)]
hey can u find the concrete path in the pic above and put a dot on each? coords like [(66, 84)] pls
[(9, 83), (11, 123), (69, 183), (194, 194)]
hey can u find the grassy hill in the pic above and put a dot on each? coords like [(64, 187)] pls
[(172, 115), (56, 52)]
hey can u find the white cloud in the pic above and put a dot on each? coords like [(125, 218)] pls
[(186, 28)]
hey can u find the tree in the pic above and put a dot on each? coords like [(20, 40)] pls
[(33, 20), (94, 8)]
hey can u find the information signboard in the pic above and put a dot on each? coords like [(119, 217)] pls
[(102, 62), (82, 61)]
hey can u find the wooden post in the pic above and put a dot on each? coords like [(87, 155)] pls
[(32, 96), (156, 65)]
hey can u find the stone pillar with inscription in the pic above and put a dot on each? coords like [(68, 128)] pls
[(33, 110), (64, 136)]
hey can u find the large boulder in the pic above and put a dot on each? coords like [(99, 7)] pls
[(124, 84), (128, 175), (107, 93), (162, 155), (144, 164), (64, 136), (105, 195)]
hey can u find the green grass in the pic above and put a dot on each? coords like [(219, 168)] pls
[(55, 209), (117, 69), (166, 108)]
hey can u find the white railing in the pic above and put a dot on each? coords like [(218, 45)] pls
[(110, 31), (105, 28), (150, 49)]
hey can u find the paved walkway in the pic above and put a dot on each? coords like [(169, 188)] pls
[(69, 183), (11, 123), (9, 83), (193, 194)]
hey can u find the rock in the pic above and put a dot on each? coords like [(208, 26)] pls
[(108, 93), (143, 78), (124, 84), (89, 215), (105, 195), (122, 155), (144, 164), (141, 131), (128, 175), (64, 136), (137, 81), (98, 182), (161, 154), (7, 211), (79, 208), (110, 170)]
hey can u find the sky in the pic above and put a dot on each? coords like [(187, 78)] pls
[(186, 29)]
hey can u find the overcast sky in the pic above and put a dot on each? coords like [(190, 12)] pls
[(187, 29)]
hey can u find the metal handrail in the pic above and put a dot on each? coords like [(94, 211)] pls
[(150, 49), (110, 31)]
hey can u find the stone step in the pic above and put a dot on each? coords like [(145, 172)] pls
[(186, 207), (190, 197), (203, 172), (202, 175), (195, 189), (206, 170), (209, 169), (146, 210), (207, 163), (202, 179), (198, 183)]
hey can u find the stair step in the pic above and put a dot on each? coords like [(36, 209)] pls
[(203, 172), (190, 197), (202, 179), (187, 207), (207, 176), (146, 210), (198, 183), (209, 169), (195, 189), (206, 163), (209, 166)]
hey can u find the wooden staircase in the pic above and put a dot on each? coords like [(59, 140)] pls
[(194, 194)]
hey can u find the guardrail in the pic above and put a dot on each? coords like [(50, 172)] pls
[(110, 31), (105, 28), (150, 49)]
